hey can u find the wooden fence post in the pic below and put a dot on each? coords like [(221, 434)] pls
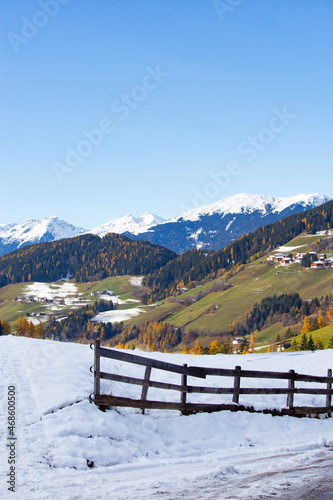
[(291, 386), (145, 386), (235, 397), (97, 368), (183, 393), (329, 396)]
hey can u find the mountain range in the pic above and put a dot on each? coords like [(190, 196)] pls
[(14, 236), (215, 226), (211, 227)]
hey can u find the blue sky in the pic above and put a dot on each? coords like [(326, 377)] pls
[(122, 106)]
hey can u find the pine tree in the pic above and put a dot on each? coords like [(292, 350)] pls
[(330, 344), (294, 345), (6, 328), (32, 329), (319, 344), (315, 325), (289, 333), (252, 340), (304, 343), (243, 347), (226, 347), (311, 345)]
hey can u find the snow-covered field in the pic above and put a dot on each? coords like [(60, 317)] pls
[(64, 294), (285, 249), (136, 280), (117, 315), (61, 294), (51, 290), (161, 455)]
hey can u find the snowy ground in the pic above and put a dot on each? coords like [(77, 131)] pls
[(62, 294), (66, 294), (136, 280), (116, 300), (51, 290), (161, 455), (117, 315), (285, 249)]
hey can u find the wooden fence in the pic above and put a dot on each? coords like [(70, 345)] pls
[(107, 400)]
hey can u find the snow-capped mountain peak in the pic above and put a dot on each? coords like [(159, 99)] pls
[(216, 225), (13, 236), (128, 223), (244, 203)]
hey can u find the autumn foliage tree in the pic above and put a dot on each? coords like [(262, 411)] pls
[(197, 349), (321, 320), (214, 347), (306, 328), (330, 315)]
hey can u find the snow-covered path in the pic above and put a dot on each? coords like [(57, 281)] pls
[(204, 457)]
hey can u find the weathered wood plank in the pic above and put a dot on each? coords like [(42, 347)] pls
[(145, 385), (153, 363), (312, 378), (110, 401), (160, 405), (291, 387), (184, 392), (221, 372), (317, 392), (310, 410), (283, 390), (329, 388), (208, 390), (97, 368), (166, 385), (237, 378)]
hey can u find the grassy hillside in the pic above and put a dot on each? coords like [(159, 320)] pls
[(212, 314), (258, 280), (324, 334), (194, 266)]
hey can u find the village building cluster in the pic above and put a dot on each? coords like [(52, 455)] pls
[(30, 299), (297, 258), (103, 292)]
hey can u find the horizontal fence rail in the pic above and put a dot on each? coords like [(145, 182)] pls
[(236, 375)]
